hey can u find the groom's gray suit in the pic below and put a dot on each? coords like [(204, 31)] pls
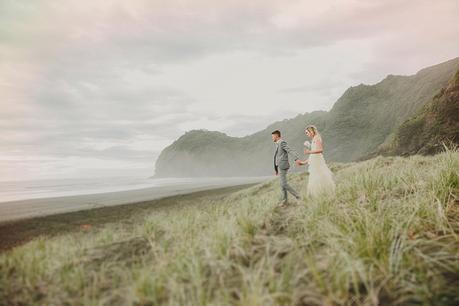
[(281, 166)]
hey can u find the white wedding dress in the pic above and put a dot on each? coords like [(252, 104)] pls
[(321, 179)]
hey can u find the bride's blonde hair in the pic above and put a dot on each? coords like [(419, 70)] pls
[(314, 129)]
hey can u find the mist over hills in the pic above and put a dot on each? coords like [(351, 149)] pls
[(365, 119)]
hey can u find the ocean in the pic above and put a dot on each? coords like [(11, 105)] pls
[(48, 188)]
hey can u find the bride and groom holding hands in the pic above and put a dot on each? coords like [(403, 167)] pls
[(320, 177)]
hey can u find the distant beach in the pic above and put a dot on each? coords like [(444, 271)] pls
[(17, 232), (19, 200)]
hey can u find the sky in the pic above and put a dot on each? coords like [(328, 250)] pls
[(98, 88)]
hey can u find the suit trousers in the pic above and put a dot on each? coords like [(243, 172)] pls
[(285, 186)]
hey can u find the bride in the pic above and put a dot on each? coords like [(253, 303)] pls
[(320, 177)]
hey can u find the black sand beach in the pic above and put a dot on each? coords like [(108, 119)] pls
[(17, 232)]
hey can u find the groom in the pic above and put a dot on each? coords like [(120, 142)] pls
[(282, 165)]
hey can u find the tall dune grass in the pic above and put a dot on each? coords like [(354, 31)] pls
[(388, 236)]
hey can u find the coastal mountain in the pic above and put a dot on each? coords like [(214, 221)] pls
[(435, 125), (361, 121)]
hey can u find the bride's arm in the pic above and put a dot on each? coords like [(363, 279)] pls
[(319, 148)]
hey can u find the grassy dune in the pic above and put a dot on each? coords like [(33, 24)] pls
[(389, 236)]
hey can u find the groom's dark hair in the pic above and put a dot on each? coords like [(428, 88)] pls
[(277, 132)]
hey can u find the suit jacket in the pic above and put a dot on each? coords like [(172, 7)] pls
[(281, 156)]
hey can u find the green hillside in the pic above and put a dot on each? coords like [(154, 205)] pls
[(436, 124), (209, 153), (366, 115), (359, 122)]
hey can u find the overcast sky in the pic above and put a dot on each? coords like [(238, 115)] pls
[(97, 88)]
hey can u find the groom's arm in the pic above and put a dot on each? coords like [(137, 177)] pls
[(289, 150)]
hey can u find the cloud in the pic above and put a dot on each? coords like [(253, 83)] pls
[(117, 81), (323, 88), (154, 32)]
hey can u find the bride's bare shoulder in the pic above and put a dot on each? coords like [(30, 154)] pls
[(317, 140)]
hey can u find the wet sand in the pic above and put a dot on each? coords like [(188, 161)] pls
[(21, 209), (88, 217)]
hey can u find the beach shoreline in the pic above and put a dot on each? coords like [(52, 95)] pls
[(43, 206), (19, 231)]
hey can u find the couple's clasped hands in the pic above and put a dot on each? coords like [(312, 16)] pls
[(304, 162), (300, 162)]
